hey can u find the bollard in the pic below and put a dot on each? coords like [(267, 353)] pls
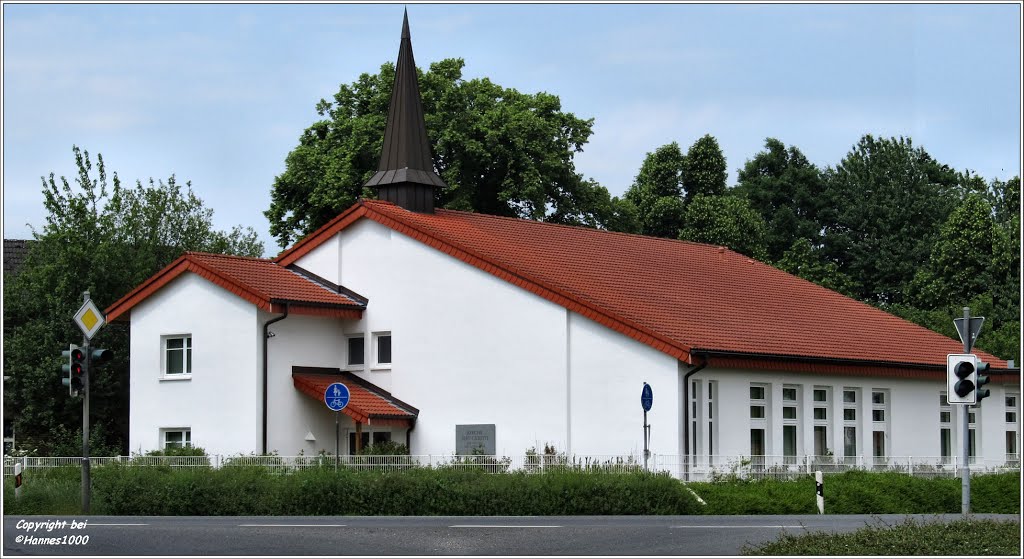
[(17, 480), (820, 490)]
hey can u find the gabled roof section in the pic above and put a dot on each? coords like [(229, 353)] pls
[(368, 403), (688, 300), (257, 280)]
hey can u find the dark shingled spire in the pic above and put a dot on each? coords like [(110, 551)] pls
[(406, 174)]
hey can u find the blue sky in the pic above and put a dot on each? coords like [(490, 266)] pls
[(218, 93)]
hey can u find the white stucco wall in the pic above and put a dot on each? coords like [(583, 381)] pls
[(218, 401), (470, 348), (912, 414)]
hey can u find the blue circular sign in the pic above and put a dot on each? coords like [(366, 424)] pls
[(647, 397), (336, 396)]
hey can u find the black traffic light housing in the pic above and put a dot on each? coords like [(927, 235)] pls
[(76, 369), (982, 380)]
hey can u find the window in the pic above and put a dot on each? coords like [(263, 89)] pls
[(759, 424), (1011, 408), (382, 343), (880, 432), (878, 446), (850, 442), (850, 398), (355, 350), (377, 437), (878, 397), (849, 414), (789, 443), (711, 419), (757, 442), (177, 438), (789, 394), (757, 412), (789, 412), (1012, 430), (178, 355), (821, 424), (878, 416), (757, 393)]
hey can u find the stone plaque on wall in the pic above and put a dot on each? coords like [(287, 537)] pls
[(475, 438)]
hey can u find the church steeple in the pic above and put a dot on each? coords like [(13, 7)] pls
[(406, 174)]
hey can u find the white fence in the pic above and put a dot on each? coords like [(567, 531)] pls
[(699, 468), (712, 468)]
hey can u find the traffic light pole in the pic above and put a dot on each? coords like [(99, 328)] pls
[(86, 477), (965, 469)]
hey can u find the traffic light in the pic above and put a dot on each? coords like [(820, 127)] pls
[(982, 380), (75, 369), (99, 358), (962, 378)]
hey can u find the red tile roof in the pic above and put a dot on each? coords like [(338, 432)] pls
[(679, 297), (257, 280), (368, 403)]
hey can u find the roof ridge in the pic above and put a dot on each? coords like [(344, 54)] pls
[(567, 226), (232, 256)]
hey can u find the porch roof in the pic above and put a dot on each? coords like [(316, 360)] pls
[(368, 403)]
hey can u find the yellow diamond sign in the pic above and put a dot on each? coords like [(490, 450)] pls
[(89, 319)]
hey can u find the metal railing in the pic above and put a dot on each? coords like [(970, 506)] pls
[(699, 468), (714, 468)]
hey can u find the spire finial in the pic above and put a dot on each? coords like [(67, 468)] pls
[(406, 174)]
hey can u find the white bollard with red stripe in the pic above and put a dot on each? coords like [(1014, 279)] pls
[(17, 480), (820, 490)]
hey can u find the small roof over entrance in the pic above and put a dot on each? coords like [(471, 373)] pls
[(368, 403)]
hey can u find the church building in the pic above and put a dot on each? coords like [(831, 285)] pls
[(459, 331)]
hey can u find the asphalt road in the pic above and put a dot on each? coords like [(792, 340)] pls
[(435, 535)]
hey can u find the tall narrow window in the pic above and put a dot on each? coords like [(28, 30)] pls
[(972, 432), (178, 355), (822, 404), (1011, 402), (790, 423), (711, 420), (759, 402), (879, 424), (850, 401)]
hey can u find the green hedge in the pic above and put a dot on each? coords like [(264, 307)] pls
[(862, 493), (246, 490), (256, 491)]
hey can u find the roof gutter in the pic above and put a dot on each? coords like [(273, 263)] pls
[(686, 416), (266, 336), (705, 353)]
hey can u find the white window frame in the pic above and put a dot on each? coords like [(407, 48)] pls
[(376, 336), (762, 423), (947, 409), (852, 423), (825, 404), (880, 426), (793, 422), (186, 357), (1012, 426), (186, 436)]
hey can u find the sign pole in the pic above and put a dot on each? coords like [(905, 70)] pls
[(965, 471), (86, 477), (337, 438), (336, 396), (646, 451)]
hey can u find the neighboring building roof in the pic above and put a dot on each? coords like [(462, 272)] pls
[(368, 403), (690, 300), (257, 280), (15, 251)]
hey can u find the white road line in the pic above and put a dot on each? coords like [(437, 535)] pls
[(295, 525), (101, 524), (498, 526), (758, 526)]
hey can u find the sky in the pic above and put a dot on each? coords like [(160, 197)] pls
[(218, 94)]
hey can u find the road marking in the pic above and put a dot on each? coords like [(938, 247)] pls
[(100, 524), (757, 526), (294, 525), (498, 526)]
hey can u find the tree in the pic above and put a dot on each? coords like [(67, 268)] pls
[(106, 239), (704, 171), (806, 261), (883, 206), (786, 189), (725, 220), (500, 151), (657, 191)]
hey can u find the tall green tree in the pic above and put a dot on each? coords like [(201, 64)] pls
[(500, 151), (786, 189), (104, 238), (657, 192), (704, 171), (805, 260), (884, 204), (725, 220)]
